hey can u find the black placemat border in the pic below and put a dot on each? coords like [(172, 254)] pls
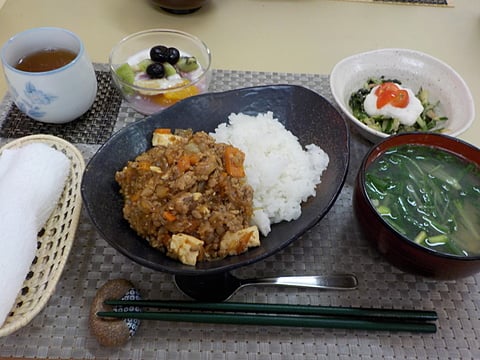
[(93, 128)]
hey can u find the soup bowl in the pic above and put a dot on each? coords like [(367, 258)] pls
[(405, 251)]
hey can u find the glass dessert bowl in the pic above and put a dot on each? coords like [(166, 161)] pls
[(154, 69)]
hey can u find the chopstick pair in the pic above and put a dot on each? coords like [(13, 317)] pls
[(280, 315)]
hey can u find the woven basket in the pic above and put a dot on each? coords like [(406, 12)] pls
[(54, 240)]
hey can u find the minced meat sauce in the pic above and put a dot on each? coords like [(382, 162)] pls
[(192, 186)]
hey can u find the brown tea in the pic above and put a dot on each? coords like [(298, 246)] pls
[(45, 60)]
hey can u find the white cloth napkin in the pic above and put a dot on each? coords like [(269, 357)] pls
[(32, 179)]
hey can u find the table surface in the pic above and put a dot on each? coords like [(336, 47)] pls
[(335, 245), (306, 36), (300, 42)]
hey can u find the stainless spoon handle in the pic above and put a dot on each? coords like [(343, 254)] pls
[(330, 282)]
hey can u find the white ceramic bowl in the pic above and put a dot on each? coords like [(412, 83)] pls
[(56, 96), (414, 69)]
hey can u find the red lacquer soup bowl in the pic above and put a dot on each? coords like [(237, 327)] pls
[(405, 251)]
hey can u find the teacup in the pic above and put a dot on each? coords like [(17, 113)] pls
[(55, 94)]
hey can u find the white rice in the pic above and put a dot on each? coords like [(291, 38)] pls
[(281, 173)]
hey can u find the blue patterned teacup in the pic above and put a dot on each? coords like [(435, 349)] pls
[(55, 96)]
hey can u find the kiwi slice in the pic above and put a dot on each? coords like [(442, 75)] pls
[(187, 64), (126, 73), (169, 69), (142, 65)]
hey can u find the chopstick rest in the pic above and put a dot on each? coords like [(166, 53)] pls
[(268, 314), (114, 331)]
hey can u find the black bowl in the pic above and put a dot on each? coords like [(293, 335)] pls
[(308, 115)]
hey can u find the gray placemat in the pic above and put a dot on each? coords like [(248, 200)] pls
[(334, 245)]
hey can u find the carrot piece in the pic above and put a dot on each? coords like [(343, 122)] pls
[(183, 163), (193, 158), (134, 197), (162, 131), (233, 158), (186, 161), (144, 165), (167, 215)]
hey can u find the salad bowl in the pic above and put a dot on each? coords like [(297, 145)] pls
[(446, 89)]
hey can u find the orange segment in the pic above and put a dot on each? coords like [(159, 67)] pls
[(171, 97), (182, 93)]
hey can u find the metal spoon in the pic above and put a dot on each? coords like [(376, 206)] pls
[(220, 287)]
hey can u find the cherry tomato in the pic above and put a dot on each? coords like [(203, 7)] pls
[(390, 93)]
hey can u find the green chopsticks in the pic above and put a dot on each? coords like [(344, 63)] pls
[(268, 314)]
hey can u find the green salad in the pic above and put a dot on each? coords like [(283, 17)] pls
[(428, 120)]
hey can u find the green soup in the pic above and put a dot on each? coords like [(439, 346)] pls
[(429, 195)]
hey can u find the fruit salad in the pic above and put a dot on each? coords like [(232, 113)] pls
[(157, 78)]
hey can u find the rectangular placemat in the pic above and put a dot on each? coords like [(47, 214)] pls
[(335, 245), (93, 127)]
